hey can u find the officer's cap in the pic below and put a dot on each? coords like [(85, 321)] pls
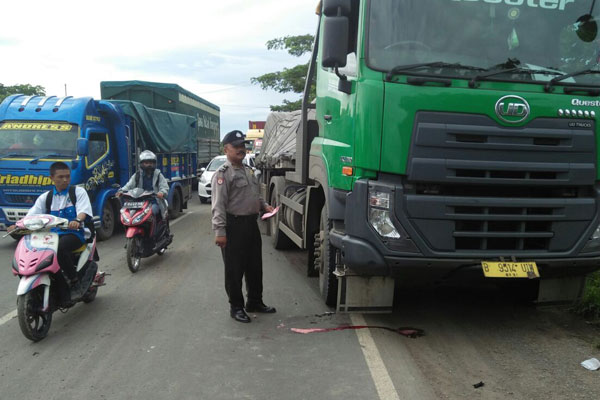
[(234, 138)]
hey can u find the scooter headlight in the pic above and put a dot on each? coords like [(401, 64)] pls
[(15, 266), (45, 263), (140, 217), (124, 217)]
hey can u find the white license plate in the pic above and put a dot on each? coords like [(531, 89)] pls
[(134, 204)]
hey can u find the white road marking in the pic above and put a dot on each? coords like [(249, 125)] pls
[(13, 313), (181, 217), (8, 317), (379, 373)]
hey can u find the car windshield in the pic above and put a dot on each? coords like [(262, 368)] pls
[(38, 139), (215, 164), (543, 36)]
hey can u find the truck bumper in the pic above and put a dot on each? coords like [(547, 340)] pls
[(367, 253)]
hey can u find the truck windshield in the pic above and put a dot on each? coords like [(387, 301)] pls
[(38, 139), (541, 34)]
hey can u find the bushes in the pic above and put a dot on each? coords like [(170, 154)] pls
[(589, 306)]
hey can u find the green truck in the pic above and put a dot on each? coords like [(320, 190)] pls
[(174, 98), (450, 139)]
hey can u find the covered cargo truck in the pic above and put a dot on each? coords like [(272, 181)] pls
[(172, 97), (452, 140), (100, 140)]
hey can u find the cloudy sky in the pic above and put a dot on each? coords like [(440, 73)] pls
[(211, 48)]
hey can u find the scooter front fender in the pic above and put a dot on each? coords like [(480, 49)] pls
[(133, 231), (28, 283)]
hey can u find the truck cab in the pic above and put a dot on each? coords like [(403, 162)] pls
[(449, 136), (36, 131), (100, 140)]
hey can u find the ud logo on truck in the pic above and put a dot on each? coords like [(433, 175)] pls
[(512, 109)]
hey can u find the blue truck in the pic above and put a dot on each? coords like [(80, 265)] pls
[(100, 140)]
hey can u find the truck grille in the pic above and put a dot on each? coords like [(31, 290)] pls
[(474, 186), (20, 199)]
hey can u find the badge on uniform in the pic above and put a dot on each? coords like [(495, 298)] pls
[(220, 181)]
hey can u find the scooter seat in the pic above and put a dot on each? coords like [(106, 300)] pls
[(80, 250)]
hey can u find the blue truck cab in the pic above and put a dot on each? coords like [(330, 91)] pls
[(97, 139)]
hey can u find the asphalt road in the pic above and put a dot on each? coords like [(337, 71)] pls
[(165, 333)]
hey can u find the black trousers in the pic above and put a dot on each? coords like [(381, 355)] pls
[(66, 244), (243, 259)]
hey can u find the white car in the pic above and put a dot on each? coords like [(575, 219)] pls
[(204, 182)]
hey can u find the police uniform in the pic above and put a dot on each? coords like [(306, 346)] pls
[(236, 203)]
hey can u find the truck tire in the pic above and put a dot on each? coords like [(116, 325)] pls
[(325, 260), (175, 208), (108, 222), (279, 239)]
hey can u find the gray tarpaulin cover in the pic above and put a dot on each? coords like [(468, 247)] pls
[(161, 131), (279, 140)]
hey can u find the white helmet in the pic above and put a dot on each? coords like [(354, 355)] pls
[(147, 155)]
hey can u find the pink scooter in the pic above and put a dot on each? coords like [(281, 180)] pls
[(42, 287)]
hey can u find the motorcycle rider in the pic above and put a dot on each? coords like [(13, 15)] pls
[(62, 206), (150, 179)]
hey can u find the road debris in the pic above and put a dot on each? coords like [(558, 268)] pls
[(325, 314), (478, 385), (404, 331), (592, 364)]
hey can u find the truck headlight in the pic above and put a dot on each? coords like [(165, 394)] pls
[(593, 243), (379, 214), (381, 221)]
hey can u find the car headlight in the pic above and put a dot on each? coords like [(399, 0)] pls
[(203, 179)]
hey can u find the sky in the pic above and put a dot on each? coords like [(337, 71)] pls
[(211, 48)]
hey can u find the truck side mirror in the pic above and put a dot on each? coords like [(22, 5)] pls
[(335, 42), (587, 28), (82, 147), (332, 7)]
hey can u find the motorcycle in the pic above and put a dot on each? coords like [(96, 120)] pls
[(43, 289), (146, 235)]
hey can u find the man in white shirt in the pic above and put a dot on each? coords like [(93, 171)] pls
[(61, 205)]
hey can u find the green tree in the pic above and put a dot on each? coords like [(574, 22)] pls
[(27, 89), (289, 79)]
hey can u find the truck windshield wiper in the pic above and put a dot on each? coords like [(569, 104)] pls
[(551, 83), (511, 65), (436, 64), (52, 155), (8, 155)]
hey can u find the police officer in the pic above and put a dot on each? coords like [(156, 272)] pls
[(235, 207)]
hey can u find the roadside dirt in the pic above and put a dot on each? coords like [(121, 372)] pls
[(518, 351)]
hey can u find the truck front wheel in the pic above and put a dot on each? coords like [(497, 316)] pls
[(325, 260), (175, 208), (108, 222)]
